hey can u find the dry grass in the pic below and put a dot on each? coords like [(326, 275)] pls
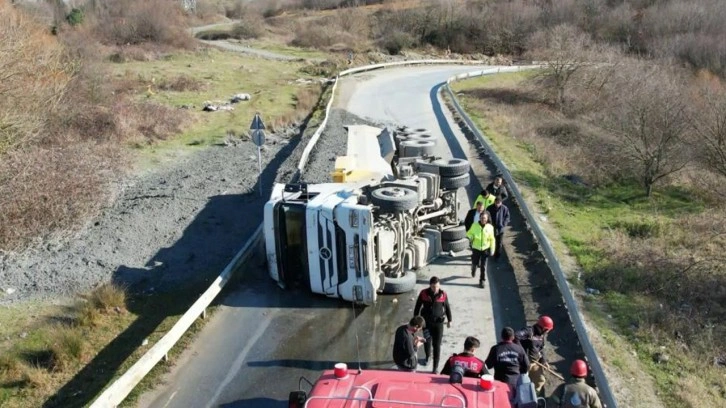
[(108, 297), (67, 348), (37, 378)]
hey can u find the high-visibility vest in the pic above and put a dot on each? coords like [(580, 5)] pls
[(481, 237)]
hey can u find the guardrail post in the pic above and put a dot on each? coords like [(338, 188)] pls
[(204, 314), (166, 357)]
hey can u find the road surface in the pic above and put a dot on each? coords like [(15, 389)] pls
[(256, 347)]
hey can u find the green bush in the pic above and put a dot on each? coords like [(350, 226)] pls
[(75, 17)]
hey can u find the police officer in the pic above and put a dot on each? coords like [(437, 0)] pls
[(576, 393), (482, 240), (473, 366), (433, 305), (533, 340), (508, 359), (485, 197)]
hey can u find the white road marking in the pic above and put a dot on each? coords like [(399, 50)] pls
[(234, 369), (171, 397)]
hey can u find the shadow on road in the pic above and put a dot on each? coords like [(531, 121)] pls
[(256, 403), (317, 365)]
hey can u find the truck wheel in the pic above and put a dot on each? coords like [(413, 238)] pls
[(452, 183), (452, 167), (453, 233), (424, 136), (394, 199), (413, 148), (404, 284), (455, 246)]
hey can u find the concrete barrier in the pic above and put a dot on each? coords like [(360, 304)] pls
[(544, 243)]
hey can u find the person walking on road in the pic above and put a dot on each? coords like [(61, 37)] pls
[(533, 341), (500, 219), (406, 343), (433, 305), (497, 189), (508, 360), (485, 197), (576, 393), (473, 366), (481, 237), (472, 215)]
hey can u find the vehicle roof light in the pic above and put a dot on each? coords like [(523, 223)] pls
[(341, 370)]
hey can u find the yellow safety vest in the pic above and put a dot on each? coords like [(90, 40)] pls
[(481, 237), (489, 200)]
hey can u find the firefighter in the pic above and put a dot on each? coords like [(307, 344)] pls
[(499, 214), (473, 366), (406, 343), (533, 340), (576, 393), (508, 360), (481, 237), (486, 198), (497, 188), (433, 305)]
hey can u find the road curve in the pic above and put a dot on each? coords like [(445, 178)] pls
[(256, 347)]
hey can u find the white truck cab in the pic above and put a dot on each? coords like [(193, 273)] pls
[(386, 217)]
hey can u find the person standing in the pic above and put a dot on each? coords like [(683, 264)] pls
[(485, 197), (406, 343), (472, 215), (533, 341), (433, 305), (500, 219), (473, 366), (497, 189), (481, 237), (576, 393), (508, 360)]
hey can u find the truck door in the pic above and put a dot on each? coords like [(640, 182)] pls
[(291, 244)]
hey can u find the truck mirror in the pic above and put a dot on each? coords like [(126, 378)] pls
[(297, 399)]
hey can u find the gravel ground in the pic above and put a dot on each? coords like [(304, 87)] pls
[(332, 143), (181, 223)]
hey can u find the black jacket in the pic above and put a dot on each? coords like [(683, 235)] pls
[(404, 353), (499, 216), (469, 219), (500, 191), (508, 361), (433, 308), (532, 340)]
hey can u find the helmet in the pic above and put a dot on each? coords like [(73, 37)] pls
[(546, 322), (578, 369)]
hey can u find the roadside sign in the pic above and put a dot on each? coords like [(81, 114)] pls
[(257, 123), (258, 137)]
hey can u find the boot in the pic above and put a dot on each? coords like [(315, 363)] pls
[(473, 272)]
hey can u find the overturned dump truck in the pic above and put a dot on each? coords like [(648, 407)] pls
[(391, 209)]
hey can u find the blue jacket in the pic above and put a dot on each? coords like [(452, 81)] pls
[(500, 217)]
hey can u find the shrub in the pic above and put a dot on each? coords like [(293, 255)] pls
[(395, 42), (108, 297), (248, 28), (139, 21), (180, 83), (36, 377), (75, 17)]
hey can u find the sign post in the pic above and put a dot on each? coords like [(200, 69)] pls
[(258, 137)]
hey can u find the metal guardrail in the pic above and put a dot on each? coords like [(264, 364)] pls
[(549, 253), (115, 393)]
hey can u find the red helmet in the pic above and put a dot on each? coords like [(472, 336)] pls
[(546, 322), (578, 369)]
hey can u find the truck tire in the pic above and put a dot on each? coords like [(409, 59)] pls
[(453, 233), (413, 148), (404, 284), (452, 183), (423, 136), (394, 199), (452, 167), (455, 246)]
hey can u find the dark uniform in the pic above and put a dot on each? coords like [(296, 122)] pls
[(473, 366), (404, 352), (434, 308), (532, 340), (500, 219), (508, 361), (500, 191), (575, 394)]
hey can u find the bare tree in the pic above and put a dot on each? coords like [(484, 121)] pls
[(648, 119), (564, 50), (709, 125)]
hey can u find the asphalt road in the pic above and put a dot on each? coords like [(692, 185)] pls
[(256, 347)]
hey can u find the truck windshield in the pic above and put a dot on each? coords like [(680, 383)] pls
[(291, 248)]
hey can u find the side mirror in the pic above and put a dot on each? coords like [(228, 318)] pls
[(297, 399)]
